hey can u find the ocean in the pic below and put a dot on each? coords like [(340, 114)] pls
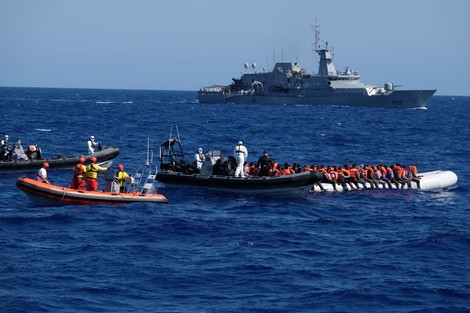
[(357, 251)]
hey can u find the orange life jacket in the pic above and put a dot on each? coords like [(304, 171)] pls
[(79, 170), (413, 170), (354, 173)]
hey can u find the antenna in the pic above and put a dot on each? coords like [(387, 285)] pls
[(148, 150), (178, 133), (316, 29)]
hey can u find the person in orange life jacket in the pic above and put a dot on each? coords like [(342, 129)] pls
[(350, 174), (121, 178), (333, 176), (344, 179), (79, 171), (391, 177), (413, 173), (287, 169), (326, 176), (246, 169), (405, 177), (275, 170), (252, 169), (240, 154), (357, 172), (265, 164), (379, 176), (398, 173), (42, 173), (92, 175), (368, 172)]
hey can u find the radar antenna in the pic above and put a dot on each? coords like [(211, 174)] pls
[(316, 29)]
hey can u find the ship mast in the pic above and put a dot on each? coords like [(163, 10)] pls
[(326, 66)]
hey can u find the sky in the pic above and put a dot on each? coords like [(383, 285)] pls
[(188, 44)]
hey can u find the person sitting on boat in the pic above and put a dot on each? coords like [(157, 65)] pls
[(42, 173), (287, 169), (276, 171), (199, 159), (92, 175), (92, 144), (265, 164), (252, 170), (78, 172), (413, 175), (246, 168), (240, 154), (121, 178)]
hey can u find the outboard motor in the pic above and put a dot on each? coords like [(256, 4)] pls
[(111, 183), (210, 161)]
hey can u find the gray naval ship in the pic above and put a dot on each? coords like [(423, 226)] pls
[(288, 83)]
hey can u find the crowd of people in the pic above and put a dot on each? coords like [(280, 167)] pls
[(347, 176)]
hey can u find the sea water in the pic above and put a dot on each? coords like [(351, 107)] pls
[(359, 251)]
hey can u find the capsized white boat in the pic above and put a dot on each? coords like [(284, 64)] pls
[(428, 181)]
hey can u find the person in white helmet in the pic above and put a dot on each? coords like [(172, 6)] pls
[(199, 158), (91, 144), (5, 148), (241, 154)]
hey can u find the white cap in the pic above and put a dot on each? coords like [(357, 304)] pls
[(6, 136), (92, 137), (199, 150), (240, 142)]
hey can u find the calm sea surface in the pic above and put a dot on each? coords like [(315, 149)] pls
[(360, 251)]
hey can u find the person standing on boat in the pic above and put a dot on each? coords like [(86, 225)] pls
[(42, 173), (78, 172), (199, 158), (121, 178), (265, 164), (240, 154), (92, 175), (91, 144), (5, 148)]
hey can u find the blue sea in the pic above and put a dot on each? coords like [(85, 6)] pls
[(358, 251)]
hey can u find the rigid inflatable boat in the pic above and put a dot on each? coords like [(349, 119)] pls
[(427, 181), (35, 160), (142, 190), (214, 175)]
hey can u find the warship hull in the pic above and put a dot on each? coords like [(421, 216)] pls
[(415, 99), (289, 83)]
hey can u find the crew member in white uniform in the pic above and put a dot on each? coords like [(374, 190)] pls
[(241, 154), (91, 145), (199, 158)]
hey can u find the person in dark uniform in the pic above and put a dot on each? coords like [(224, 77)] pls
[(265, 164)]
